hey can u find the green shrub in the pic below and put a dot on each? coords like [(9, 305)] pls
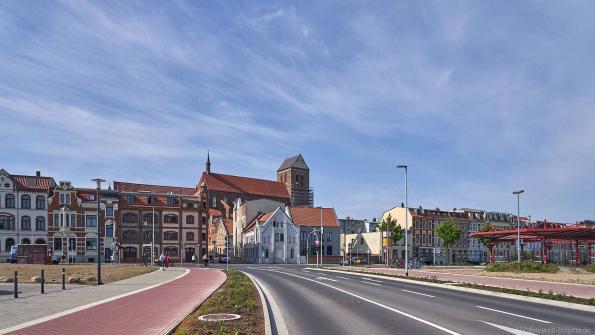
[(592, 269), (522, 267)]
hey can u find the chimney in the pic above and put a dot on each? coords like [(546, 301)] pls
[(37, 174)]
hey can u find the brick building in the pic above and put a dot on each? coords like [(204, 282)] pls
[(179, 216), (73, 222), (294, 173)]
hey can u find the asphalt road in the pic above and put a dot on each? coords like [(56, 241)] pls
[(315, 302)]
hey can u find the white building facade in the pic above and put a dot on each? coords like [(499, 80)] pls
[(23, 210)]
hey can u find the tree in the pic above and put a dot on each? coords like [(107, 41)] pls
[(390, 224), (487, 227), (449, 232)]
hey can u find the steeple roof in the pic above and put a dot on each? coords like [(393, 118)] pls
[(295, 162)]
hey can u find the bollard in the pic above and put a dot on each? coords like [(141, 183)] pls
[(63, 279), (16, 284), (42, 282)]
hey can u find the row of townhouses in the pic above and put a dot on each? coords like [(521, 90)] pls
[(139, 221)]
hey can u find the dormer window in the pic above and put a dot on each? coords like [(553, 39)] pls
[(151, 200), (91, 197), (129, 198), (171, 201)]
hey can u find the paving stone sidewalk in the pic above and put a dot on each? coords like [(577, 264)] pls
[(577, 290), (32, 305)]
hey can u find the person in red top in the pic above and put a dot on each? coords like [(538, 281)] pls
[(167, 261)]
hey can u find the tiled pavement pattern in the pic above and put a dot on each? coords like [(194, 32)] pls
[(153, 311), (577, 290), (31, 305)]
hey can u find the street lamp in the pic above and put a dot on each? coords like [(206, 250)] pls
[(98, 181), (406, 223), (321, 237), (518, 225)]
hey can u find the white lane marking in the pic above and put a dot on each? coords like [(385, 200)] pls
[(377, 304), (369, 283), (80, 308), (279, 321), (508, 313), (343, 277), (370, 279), (325, 278), (508, 329), (427, 295)]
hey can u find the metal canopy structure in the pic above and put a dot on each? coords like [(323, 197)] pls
[(578, 234)]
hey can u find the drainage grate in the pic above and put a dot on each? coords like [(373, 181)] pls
[(219, 317)]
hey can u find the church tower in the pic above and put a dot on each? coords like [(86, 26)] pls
[(295, 174), (208, 163)]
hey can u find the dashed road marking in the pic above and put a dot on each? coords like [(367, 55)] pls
[(508, 329), (508, 313), (427, 295)]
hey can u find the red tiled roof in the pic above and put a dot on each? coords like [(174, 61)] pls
[(245, 185), (34, 182), (155, 189), (307, 216), (262, 217)]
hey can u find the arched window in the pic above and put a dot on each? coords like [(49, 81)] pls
[(9, 203), (9, 243), (40, 202), (129, 218), (148, 236), (109, 230), (40, 241), (6, 222), (130, 252), (170, 235), (26, 201), (26, 241), (170, 218), (25, 223), (148, 218), (40, 223), (170, 251)]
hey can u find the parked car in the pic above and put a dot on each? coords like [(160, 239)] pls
[(55, 260), (224, 259), (359, 261)]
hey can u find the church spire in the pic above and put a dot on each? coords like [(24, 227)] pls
[(208, 162)]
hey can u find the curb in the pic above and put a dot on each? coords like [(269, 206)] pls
[(177, 323), (265, 307), (556, 303)]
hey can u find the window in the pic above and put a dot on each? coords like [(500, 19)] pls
[(151, 200), (56, 219), (170, 251), (40, 223), (130, 252), (170, 218), (40, 202), (170, 235), (9, 243), (361, 241), (6, 222), (189, 219), (91, 220), (57, 242), (40, 241), (276, 237), (129, 198), (329, 236), (148, 236), (72, 244), (171, 201), (214, 202), (67, 220), (26, 241), (109, 230), (68, 198), (292, 253), (91, 243), (129, 218), (189, 236), (149, 219), (204, 220), (73, 220), (281, 237), (109, 210), (26, 201), (9, 203), (129, 235), (25, 223), (203, 236), (329, 250), (91, 197)]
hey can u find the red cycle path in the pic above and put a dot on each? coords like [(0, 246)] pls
[(154, 311)]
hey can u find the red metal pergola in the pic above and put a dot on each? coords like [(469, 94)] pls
[(579, 234)]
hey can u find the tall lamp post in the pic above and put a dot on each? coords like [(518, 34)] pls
[(406, 223), (98, 181), (518, 223), (321, 237)]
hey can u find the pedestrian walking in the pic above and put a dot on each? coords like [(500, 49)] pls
[(212, 260), (206, 260), (162, 261), (193, 259), (111, 258), (167, 261)]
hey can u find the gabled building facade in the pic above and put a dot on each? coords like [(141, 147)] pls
[(23, 210)]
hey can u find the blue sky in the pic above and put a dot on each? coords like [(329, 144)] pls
[(478, 98)]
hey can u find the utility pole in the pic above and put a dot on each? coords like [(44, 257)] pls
[(406, 223), (518, 221)]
